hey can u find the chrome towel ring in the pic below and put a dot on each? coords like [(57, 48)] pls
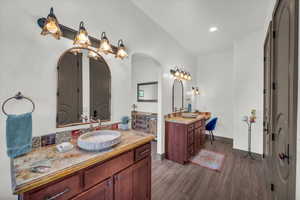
[(18, 96)]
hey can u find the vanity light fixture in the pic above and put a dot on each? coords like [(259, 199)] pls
[(51, 26), (195, 90), (181, 74), (121, 53), (104, 44), (82, 37)]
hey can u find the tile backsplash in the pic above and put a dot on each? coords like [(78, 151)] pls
[(65, 136)]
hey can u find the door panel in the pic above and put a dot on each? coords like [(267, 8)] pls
[(268, 79), (142, 179), (124, 184), (284, 99)]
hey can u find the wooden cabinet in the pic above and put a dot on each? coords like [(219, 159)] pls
[(124, 177), (184, 141)]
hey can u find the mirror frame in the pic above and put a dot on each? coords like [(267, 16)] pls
[(145, 100), (88, 122), (180, 81)]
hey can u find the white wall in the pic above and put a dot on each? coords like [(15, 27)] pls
[(144, 69), (215, 81), (248, 81), (28, 60)]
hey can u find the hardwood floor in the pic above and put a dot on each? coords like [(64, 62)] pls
[(240, 178)]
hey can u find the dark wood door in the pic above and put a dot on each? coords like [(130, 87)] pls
[(102, 191), (284, 99), (123, 182), (142, 179), (69, 92), (267, 124), (100, 94)]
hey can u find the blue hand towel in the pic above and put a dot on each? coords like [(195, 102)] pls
[(18, 134)]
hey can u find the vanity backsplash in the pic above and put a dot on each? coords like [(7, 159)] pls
[(66, 136)]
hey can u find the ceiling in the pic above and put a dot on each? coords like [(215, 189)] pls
[(188, 21)]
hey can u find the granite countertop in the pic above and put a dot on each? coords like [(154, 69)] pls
[(182, 120), (62, 164)]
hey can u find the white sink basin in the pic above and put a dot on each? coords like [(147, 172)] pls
[(99, 140), (189, 115)]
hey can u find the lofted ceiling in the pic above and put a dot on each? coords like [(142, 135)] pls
[(189, 21)]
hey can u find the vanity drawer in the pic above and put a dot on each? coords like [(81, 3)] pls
[(98, 173), (62, 190), (142, 152)]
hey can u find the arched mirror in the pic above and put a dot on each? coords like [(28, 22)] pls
[(84, 87), (177, 95)]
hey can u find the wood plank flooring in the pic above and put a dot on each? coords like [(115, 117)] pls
[(240, 178)]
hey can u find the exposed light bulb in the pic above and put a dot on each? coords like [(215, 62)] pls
[(121, 53), (177, 72), (104, 44), (51, 26), (82, 38)]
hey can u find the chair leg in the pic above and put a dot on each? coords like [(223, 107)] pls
[(212, 133), (211, 138)]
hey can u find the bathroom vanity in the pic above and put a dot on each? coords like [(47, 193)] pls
[(123, 172), (184, 137)]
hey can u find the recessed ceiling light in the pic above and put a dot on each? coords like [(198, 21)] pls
[(213, 29)]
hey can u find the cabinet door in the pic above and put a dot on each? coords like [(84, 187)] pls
[(123, 182), (142, 179), (102, 191)]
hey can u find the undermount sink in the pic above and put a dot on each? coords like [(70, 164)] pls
[(189, 115), (99, 140)]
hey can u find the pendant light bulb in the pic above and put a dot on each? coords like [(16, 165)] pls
[(104, 44), (51, 26), (177, 73), (82, 37), (181, 74), (189, 77), (185, 76), (121, 53)]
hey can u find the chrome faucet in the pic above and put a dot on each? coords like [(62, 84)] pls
[(84, 117)]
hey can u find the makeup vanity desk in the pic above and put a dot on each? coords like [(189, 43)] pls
[(123, 172), (184, 136)]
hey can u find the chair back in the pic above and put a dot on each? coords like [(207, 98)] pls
[(210, 126)]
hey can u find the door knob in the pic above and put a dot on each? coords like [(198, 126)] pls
[(283, 156)]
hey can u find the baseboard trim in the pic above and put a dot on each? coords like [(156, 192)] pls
[(222, 139), (244, 153), (160, 156)]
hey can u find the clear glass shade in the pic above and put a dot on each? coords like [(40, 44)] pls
[(51, 26), (82, 37)]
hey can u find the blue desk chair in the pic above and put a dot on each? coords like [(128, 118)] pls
[(210, 127)]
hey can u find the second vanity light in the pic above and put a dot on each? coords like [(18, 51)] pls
[(51, 26), (181, 74)]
